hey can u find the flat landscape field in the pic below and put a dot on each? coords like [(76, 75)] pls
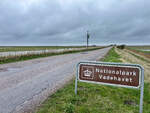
[(33, 48), (144, 49), (20, 53), (140, 50), (140, 47)]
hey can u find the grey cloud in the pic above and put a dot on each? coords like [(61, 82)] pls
[(56, 22)]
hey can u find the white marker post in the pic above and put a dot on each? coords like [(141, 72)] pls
[(142, 90)]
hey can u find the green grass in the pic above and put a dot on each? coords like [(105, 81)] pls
[(93, 98), (10, 59), (112, 56)]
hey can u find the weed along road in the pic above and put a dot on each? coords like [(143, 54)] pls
[(23, 85)]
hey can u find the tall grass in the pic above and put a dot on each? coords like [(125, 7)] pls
[(8, 59), (33, 48)]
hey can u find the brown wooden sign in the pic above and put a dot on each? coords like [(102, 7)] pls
[(121, 75)]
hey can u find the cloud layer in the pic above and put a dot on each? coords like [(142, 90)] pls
[(65, 22)]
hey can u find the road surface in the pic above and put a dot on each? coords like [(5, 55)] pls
[(23, 85)]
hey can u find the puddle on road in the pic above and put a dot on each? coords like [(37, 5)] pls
[(84, 53), (3, 69), (8, 69), (12, 69)]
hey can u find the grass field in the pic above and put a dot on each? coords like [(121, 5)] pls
[(92, 98), (142, 49), (33, 48), (10, 59)]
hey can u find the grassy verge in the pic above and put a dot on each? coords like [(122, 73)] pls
[(92, 98), (112, 56), (10, 59)]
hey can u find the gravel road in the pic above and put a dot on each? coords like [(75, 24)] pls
[(24, 85)]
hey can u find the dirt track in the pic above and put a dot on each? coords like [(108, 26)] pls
[(129, 58)]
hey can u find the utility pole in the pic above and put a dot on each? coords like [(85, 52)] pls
[(88, 36)]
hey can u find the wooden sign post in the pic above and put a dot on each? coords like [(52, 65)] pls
[(115, 74)]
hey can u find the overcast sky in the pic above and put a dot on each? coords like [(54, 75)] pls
[(65, 22)]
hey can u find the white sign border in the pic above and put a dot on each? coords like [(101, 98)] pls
[(111, 65)]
